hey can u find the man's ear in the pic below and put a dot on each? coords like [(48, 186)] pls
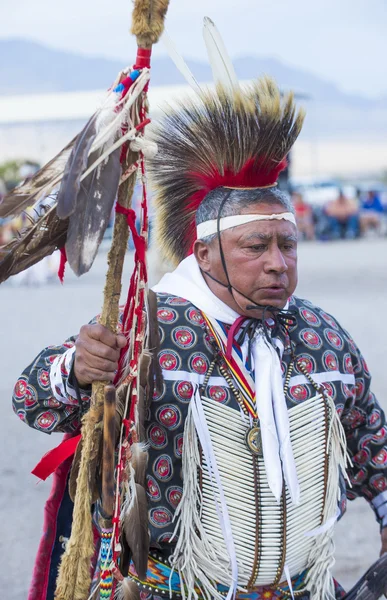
[(202, 253)]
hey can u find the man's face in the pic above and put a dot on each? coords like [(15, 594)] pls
[(261, 260)]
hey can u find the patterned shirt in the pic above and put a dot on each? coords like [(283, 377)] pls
[(46, 399)]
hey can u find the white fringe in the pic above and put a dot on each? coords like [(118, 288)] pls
[(199, 562), (319, 579)]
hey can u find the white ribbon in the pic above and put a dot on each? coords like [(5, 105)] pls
[(274, 421), (216, 482), (210, 227)]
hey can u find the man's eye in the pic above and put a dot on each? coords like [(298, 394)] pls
[(259, 248), (288, 247)]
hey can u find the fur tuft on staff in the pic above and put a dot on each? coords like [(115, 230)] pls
[(222, 138), (148, 21)]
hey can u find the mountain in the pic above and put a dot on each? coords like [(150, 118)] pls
[(29, 67)]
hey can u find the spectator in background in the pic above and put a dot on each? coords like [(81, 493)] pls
[(371, 213), (343, 217), (304, 216)]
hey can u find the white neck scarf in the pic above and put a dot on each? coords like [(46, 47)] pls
[(187, 281)]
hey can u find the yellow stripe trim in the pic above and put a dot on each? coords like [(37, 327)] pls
[(243, 384)]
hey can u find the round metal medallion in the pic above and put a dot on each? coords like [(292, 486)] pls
[(254, 441)]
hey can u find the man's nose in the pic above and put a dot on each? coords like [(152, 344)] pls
[(275, 260)]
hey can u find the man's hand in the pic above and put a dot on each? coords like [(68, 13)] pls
[(384, 541), (97, 353)]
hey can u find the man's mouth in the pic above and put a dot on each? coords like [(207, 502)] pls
[(273, 290)]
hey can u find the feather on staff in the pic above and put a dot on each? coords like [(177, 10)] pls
[(87, 174)]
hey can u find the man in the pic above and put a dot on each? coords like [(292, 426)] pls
[(262, 394), (371, 213), (343, 217)]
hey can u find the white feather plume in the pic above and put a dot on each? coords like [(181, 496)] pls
[(222, 68)]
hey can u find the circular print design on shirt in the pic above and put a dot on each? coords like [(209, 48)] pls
[(307, 362), (299, 393), (360, 477), (63, 368), (157, 436), (310, 338), (21, 414), (20, 389), (153, 488), (164, 538), (351, 345), (365, 368), (330, 389), (47, 420), (175, 301), (194, 316), (198, 362), (160, 517), (334, 338), (310, 317), (218, 393), (379, 483), (169, 415), (330, 361), (50, 359), (328, 319), (380, 436), (167, 315), (174, 494), (169, 360), (178, 445), (374, 420), (362, 457), (162, 468), (183, 390), (339, 409), (209, 342), (360, 388), (161, 335), (348, 392), (30, 398), (53, 403), (184, 337), (353, 418), (44, 379), (159, 394), (347, 363)]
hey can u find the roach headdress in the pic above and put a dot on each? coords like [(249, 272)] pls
[(231, 138)]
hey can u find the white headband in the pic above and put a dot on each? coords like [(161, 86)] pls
[(211, 227)]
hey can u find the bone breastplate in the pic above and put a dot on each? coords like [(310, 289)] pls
[(269, 538)]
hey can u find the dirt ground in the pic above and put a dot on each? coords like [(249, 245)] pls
[(348, 279)]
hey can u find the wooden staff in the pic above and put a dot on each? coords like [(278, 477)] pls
[(109, 436), (74, 577)]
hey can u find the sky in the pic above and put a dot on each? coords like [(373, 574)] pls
[(343, 41)]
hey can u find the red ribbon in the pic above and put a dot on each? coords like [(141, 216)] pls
[(143, 58), (235, 327), (138, 240), (54, 458), (62, 264)]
